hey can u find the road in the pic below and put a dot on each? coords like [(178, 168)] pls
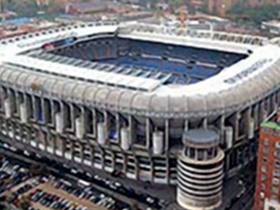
[(246, 201)]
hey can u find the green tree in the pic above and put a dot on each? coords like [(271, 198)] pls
[(255, 14), (134, 206), (24, 202)]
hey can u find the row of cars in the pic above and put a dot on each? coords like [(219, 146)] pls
[(84, 190), (116, 187), (149, 200), (53, 201), (11, 175), (25, 188)]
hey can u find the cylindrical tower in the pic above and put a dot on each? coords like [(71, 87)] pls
[(200, 171)]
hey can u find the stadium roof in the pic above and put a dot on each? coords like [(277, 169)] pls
[(91, 75), (235, 87)]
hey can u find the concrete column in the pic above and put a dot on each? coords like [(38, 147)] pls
[(94, 123), (47, 105), (106, 121), (1, 98), (222, 129), (91, 155), (63, 146), (186, 125), (205, 123), (82, 149), (28, 106), (23, 111), (20, 132), (227, 162), (262, 111), (270, 104), (59, 144), (53, 141), (102, 159), (80, 124), (27, 135), (118, 128), (52, 112), (166, 136), (275, 102), (71, 149), (256, 115), (113, 159), (35, 108), (148, 132), (7, 105), (278, 98), (125, 160), (236, 126), (72, 116), (45, 140), (248, 120), (131, 129), (12, 131), (136, 169), (44, 111), (168, 171), (152, 170), (17, 105)]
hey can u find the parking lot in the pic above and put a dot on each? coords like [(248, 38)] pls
[(126, 194), (47, 192), (104, 191)]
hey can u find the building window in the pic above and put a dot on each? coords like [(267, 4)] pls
[(275, 181), (263, 177), (274, 197), (264, 160), (262, 195), (264, 169), (274, 190), (276, 154), (266, 142), (262, 186), (276, 172), (277, 145), (265, 150), (266, 130), (277, 164), (261, 203)]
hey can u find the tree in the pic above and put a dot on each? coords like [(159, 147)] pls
[(24, 202), (36, 169), (3, 3), (256, 15), (134, 206)]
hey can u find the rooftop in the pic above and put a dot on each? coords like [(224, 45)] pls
[(201, 135), (271, 124)]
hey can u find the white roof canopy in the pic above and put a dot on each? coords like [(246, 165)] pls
[(109, 78)]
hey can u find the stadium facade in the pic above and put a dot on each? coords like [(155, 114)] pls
[(165, 105)]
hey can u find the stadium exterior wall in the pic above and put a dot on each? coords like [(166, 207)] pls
[(52, 105)]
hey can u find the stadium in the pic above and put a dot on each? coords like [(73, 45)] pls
[(166, 105)]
